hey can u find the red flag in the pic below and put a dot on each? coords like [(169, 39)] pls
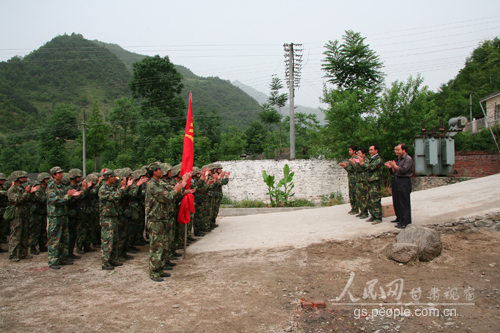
[(187, 204)]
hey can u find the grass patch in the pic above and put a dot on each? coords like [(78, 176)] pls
[(249, 204), (300, 203)]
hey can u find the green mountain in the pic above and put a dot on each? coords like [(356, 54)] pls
[(233, 104)]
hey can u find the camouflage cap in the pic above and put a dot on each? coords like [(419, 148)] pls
[(65, 180), (118, 173), (73, 173), (208, 166), (126, 172), (196, 170), (154, 166), (108, 173), (14, 176), (217, 166), (42, 176), (176, 169), (55, 170), (139, 173), (165, 168), (2, 176), (92, 178)]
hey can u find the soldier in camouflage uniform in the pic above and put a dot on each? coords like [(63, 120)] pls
[(90, 230), (38, 216), (351, 176), (4, 201), (18, 198), (360, 164), (159, 196), (75, 210), (136, 195), (58, 196), (374, 178), (222, 180), (109, 198), (124, 225), (200, 183)]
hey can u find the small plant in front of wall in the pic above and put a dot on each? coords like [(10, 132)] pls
[(280, 194)]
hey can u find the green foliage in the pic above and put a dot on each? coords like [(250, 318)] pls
[(332, 199), (481, 75), (300, 203), (97, 135), (280, 197), (256, 138), (233, 142), (123, 117), (245, 203), (481, 140), (306, 134), (208, 124), (352, 65), (226, 200)]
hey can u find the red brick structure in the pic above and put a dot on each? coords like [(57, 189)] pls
[(476, 163)]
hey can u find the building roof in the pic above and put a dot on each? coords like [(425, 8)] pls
[(495, 94)]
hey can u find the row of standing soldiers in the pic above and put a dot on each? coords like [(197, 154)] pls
[(75, 209)]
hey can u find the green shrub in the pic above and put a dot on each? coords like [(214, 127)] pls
[(226, 200), (332, 199), (300, 203)]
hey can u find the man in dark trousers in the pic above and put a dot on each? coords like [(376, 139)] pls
[(402, 171)]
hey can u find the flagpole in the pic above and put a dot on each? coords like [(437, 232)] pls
[(185, 239)]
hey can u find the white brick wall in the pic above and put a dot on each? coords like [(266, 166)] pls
[(312, 178)]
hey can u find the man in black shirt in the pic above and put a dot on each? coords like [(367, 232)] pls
[(402, 171)]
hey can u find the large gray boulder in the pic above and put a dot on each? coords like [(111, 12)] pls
[(428, 241), (402, 252)]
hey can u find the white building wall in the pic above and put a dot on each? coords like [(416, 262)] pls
[(312, 178)]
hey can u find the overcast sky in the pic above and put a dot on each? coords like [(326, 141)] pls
[(243, 40)]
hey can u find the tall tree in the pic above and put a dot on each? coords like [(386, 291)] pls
[(61, 126), (352, 65), (278, 101), (96, 140), (124, 116)]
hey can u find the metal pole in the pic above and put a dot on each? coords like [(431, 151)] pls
[(84, 158), (292, 108), (185, 240)]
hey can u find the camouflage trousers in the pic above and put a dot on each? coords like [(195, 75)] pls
[(374, 199), (38, 231), (362, 197), (108, 239), (352, 195), (95, 229), (203, 215), (83, 232), (122, 234), (72, 230), (58, 239), (158, 231), (4, 226), (19, 237), (217, 202)]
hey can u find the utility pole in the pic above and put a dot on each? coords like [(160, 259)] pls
[(292, 72), (84, 158)]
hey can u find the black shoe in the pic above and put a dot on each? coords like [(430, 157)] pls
[(80, 252), (116, 264), (65, 263), (164, 275), (395, 221), (371, 219), (15, 259), (172, 258), (169, 263), (26, 257), (177, 254), (89, 249), (55, 266), (74, 256), (157, 279), (400, 226), (107, 268), (167, 267), (215, 226)]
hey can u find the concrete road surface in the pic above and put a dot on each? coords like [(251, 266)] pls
[(303, 227)]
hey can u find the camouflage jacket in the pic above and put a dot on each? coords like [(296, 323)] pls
[(19, 198), (160, 199), (109, 198), (57, 199), (39, 202), (361, 171), (374, 169), (351, 173), (4, 200), (77, 205)]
